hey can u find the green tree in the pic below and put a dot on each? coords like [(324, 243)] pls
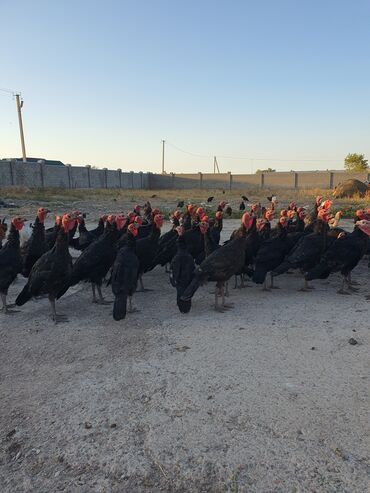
[(268, 170), (355, 162)]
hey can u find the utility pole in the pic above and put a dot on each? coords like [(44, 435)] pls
[(163, 141), (215, 165), (19, 109)]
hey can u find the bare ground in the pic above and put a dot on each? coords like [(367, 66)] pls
[(267, 397)]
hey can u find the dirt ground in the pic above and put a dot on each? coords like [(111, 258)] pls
[(267, 397)]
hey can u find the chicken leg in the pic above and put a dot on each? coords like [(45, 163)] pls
[(56, 318), (131, 309), (101, 300), (5, 309), (342, 290), (142, 289)]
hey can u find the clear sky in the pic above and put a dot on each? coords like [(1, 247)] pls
[(104, 81)]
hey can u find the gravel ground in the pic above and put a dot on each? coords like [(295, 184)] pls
[(267, 397)]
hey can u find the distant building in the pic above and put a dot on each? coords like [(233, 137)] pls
[(35, 160)]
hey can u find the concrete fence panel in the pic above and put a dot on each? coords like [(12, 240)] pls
[(187, 180), (246, 181), (6, 174), (97, 178), (279, 180), (55, 176), (26, 175), (319, 179), (112, 179), (137, 181), (220, 180), (79, 177), (126, 180)]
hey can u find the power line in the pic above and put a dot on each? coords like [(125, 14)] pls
[(8, 91), (282, 160), (187, 152), (254, 158)]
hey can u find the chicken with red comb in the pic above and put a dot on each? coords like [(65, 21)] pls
[(343, 256), (182, 269), (52, 270), (94, 263), (36, 245), (124, 274), (220, 265)]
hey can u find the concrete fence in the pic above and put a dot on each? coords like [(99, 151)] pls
[(229, 181), (39, 175)]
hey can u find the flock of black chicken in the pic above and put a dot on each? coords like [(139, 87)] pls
[(122, 248)]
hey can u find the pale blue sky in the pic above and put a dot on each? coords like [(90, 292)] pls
[(104, 82)]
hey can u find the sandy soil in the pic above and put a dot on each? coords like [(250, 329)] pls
[(267, 397)]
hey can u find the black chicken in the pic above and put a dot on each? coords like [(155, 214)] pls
[(52, 233), (86, 237), (343, 255), (182, 269), (52, 270), (245, 198), (95, 261), (271, 253), (124, 275), (180, 204), (167, 243), (307, 251), (3, 230), (147, 225), (210, 199), (208, 243), (36, 245), (10, 260), (221, 265), (228, 211), (252, 244), (146, 248)]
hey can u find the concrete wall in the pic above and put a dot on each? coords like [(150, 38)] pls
[(38, 175), (246, 181), (311, 179), (279, 180)]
